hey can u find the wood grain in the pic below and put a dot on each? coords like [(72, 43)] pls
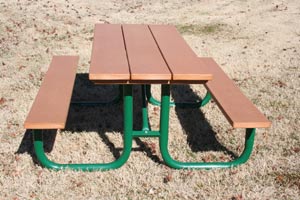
[(181, 59), (109, 60), (51, 105), (238, 109), (144, 57)]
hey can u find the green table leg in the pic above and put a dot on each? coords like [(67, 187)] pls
[(198, 104), (163, 141), (128, 126)]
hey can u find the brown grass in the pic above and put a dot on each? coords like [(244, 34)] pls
[(256, 42), (197, 29)]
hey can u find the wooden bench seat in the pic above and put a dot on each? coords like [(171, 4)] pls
[(239, 111), (51, 105)]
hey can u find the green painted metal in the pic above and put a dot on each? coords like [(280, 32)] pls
[(116, 100), (198, 104), (128, 128), (206, 99), (250, 134), (146, 133), (151, 99), (129, 134), (163, 142)]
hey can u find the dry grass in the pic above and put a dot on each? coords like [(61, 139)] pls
[(256, 42), (200, 29)]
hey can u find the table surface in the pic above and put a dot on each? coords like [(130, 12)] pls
[(144, 54)]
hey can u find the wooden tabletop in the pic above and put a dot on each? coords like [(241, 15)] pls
[(143, 54)]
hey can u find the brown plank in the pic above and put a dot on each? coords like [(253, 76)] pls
[(180, 58), (145, 59), (238, 109), (51, 105), (109, 60)]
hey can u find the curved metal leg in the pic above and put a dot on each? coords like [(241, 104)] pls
[(128, 129), (99, 103), (199, 104), (163, 142)]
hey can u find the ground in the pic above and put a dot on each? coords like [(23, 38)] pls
[(257, 43)]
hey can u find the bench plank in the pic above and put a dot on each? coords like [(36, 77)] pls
[(108, 60), (51, 105), (144, 57), (239, 111), (181, 59)]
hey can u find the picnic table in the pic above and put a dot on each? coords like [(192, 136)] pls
[(144, 55)]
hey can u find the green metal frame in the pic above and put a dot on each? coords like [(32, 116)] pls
[(163, 141), (129, 134), (198, 104)]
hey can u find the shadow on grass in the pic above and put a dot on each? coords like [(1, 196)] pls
[(26, 145), (109, 118), (200, 135)]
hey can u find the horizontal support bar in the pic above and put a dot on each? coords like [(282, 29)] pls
[(145, 133)]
